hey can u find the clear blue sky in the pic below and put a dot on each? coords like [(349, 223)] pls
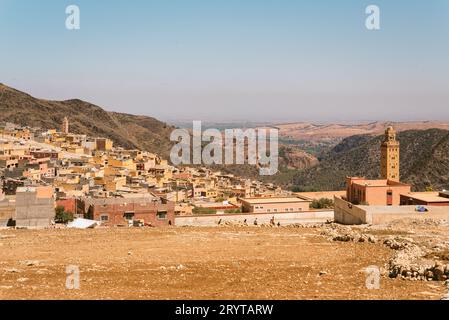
[(230, 60)]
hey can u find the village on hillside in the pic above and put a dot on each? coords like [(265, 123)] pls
[(53, 177), (90, 178)]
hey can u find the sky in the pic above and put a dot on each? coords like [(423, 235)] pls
[(234, 60)]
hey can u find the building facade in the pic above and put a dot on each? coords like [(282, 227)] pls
[(425, 199), (275, 205), (155, 211), (375, 192)]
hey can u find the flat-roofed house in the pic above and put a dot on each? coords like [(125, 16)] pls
[(425, 199), (375, 192), (122, 211), (275, 204)]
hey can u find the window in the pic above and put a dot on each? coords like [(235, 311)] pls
[(389, 198), (129, 215), (104, 217), (161, 215)]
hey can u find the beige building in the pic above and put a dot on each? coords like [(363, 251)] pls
[(275, 204)]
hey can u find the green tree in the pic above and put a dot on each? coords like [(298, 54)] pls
[(62, 216)]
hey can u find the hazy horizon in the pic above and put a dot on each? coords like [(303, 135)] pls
[(227, 61)]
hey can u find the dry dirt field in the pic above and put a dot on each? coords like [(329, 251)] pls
[(197, 263)]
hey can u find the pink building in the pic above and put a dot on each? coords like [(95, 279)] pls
[(375, 192)]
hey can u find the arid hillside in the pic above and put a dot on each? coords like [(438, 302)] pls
[(129, 131), (424, 161)]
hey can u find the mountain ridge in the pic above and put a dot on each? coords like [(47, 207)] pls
[(126, 130)]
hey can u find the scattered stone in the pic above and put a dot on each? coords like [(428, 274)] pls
[(31, 263)]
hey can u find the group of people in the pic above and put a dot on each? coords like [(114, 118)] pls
[(256, 222)]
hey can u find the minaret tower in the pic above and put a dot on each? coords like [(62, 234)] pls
[(389, 158), (65, 126)]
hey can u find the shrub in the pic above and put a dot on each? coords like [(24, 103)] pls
[(62, 216), (323, 203)]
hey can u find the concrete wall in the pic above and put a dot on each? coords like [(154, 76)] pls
[(7, 211), (383, 214), (283, 218), (32, 211), (347, 213)]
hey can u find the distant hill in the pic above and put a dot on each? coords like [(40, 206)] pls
[(334, 131), (424, 161), (126, 130)]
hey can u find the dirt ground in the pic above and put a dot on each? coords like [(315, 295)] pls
[(196, 263)]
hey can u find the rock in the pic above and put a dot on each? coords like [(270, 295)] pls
[(12, 270), (372, 239), (323, 273), (438, 272), (22, 279), (344, 238), (30, 263)]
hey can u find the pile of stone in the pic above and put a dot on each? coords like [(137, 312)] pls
[(346, 234), (406, 262), (437, 272), (233, 224), (304, 225), (398, 243)]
